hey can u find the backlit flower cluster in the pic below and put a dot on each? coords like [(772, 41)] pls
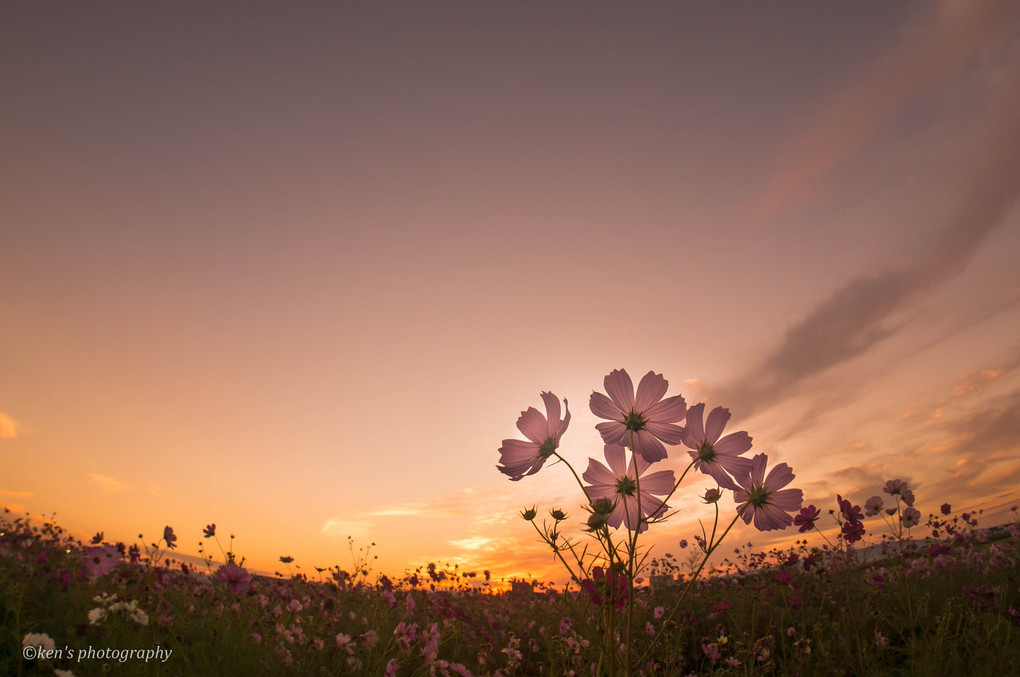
[(645, 421)]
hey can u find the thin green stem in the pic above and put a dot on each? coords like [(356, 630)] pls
[(676, 608)]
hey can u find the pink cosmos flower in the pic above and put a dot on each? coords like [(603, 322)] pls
[(101, 560), (873, 506), (911, 517), (519, 457), (618, 483), (646, 418), (607, 587), (849, 510), (894, 487), (236, 578), (806, 518), (764, 499), (713, 456)]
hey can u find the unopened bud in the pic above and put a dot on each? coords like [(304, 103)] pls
[(558, 514), (529, 513), (602, 506), (712, 496)]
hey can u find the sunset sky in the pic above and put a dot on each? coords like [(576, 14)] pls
[(297, 268)]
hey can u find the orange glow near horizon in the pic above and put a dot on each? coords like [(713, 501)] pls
[(298, 273)]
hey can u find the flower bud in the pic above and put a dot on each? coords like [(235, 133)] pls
[(596, 521), (558, 514), (712, 496), (529, 513), (602, 506)]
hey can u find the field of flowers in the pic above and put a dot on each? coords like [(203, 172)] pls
[(875, 598), (947, 605)]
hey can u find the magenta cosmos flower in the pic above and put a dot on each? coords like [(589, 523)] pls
[(713, 456), (645, 418), (236, 578), (764, 499), (618, 483), (518, 457), (101, 560)]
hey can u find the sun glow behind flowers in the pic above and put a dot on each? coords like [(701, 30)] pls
[(302, 306)]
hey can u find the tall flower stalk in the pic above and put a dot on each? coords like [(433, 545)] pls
[(627, 494)]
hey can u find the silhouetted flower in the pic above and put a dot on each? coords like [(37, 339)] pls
[(643, 421), (806, 518), (873, 506), (169, 537), (209, 531), (718, 458), (101, 560), (764, 499), (236, 578), (619, 483), (519, 458), (606, 587)]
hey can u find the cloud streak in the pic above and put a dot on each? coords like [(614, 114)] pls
[(863, 312), (854, 116), (108, 485)]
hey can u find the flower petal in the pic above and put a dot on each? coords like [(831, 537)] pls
[(552, 410), (646, 444), (733, 444), (612, 432), (695, 427), (620, 388), (670, 433), (533, 425), (670, 410), (599, 475), (650, 390), (603, 407), (715, 424)]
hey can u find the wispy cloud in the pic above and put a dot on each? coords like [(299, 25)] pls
[(9, 428), (15, 494), (340, 528), (108, 485), (869, 309), (932, 47)]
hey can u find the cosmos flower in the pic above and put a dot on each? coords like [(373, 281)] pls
[(101, 560), (645, 418), (236, 578), (169, 537), (850, 511), (518, 457), (38, 640), (806, 518), (610, 584), (853, 531), (911, 517), (764, 499), (713, 456), (894, 487), (619, 483), (873, 506), (209, 531)]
